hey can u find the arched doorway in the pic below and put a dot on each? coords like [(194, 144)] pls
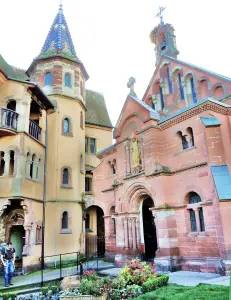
[(95, 231), (149, 229), (17, 237)]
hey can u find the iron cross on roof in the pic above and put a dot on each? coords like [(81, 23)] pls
[(159, 15)]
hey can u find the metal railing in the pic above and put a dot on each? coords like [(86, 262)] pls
[(57, 263), (35, 130), (9, 118)]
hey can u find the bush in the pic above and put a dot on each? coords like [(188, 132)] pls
[(96, 288), (54, 289), (44, 290), (153, 283), (137, 272), (130, 291), (90, 275), (8, 296)]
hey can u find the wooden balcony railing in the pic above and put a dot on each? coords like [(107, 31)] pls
[(9, 119), (35, 130)]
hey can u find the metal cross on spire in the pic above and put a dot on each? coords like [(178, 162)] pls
[(61, 4), (159, 15)]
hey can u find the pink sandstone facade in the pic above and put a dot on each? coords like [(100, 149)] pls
[(165, 185)]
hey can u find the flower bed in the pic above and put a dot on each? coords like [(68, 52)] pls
[(135, 279)]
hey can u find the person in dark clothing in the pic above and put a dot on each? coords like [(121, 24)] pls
[(8, 259)]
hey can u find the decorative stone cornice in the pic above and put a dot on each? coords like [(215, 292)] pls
[(206, 106)]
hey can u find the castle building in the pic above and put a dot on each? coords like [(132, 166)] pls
[(165, 186), (51, 127)]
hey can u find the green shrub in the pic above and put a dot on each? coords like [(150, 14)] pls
[(54, 289), (87, 287), (153, 283), (45, 290), (137, 272), (129, 291), (8, 296)]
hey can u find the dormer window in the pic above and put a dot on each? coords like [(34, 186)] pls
[(48, 79), (67, 80)]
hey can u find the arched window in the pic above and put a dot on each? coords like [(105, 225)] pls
[(81, 119), (65, 220), (65, 177), (11, 169), (161, 98), (169, 81), (66, 125), (180, 86), (190, 137), (194, 95), (11, 105), (32, 166), (67, 80), (48, 79), (194, 198), (182, 138), (218, 92)]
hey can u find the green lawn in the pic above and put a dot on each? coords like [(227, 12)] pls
[(176, 292)]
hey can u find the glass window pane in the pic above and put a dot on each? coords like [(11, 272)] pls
[(201, 217), (88, 184), (48, 79), (193, 220), (68, 80), (66, 127), (92, 146), (65, 176), (86, 145), (65, 220)]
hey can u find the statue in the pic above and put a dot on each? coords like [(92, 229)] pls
[(130, 84), (136, 155)]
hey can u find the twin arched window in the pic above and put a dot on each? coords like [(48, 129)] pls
[(48, 79), (187, 139), (67, 80), (197, 224)]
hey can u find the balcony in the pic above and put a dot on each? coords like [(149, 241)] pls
[(35, 130), (9, 122)]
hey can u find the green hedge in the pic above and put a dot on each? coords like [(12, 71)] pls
[(8, 296), (153, 283)]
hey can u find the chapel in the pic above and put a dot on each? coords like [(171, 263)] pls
[(164, 186)]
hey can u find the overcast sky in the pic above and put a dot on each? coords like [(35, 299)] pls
[(112, 38)]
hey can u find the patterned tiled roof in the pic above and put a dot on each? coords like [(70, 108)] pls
[(59, 41), (13, 72), (96, 113)]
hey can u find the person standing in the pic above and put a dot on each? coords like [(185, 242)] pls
[(8, 259)]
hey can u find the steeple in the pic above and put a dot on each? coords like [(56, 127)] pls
[(164, 39), (59, 41)]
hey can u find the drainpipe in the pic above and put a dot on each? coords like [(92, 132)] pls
[(44, 200)]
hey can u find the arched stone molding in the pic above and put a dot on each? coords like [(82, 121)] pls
[(135, 125), (93, 202), (176, 70), (7, 99), (193, 189), (15, 217), (186, 86), (205, 78), (165, 62), (134, 195), (219, 84)]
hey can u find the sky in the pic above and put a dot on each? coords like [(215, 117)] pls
[(112, 38)]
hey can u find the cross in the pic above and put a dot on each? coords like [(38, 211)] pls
[(159, 15)]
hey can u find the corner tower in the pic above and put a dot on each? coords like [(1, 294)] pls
[(61, 74), (164, 39)]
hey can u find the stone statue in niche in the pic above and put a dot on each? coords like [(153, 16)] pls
[(136, 153)]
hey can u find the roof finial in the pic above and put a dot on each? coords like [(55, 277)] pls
[(159, 15), (130, 84), (61, 5)]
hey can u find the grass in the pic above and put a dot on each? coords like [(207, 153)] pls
[(176, 292)]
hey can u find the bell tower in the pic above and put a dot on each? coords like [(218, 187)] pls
[(164, 39)]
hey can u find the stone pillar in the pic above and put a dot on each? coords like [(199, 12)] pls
[(130, 233), (27, 240), (127, 157), (138, 233), (167, 258), (133, 233), (28, 164), (7, 163), (35, 170), (197, 219), (126, 247)]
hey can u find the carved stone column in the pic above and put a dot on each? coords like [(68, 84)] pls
[(130, 233), (125, 220), (35, 170), (27, 240), (7, 164), (134, 233), (197, 219), (138, 233), (127, 157)]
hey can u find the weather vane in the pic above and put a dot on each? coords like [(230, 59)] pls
[(159, 15)]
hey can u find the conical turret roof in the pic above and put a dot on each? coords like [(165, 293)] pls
[(59, 41)]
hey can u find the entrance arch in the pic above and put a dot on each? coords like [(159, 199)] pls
[(95, 231), (148, 229)]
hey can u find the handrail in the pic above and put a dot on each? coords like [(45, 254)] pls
[(9, 118), (34, 130)]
